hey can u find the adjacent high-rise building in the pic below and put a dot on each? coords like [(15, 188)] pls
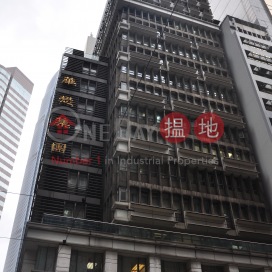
[(253, 11), (150, 204), (66, 148), (249, 52), (269, 5), (15, 93)]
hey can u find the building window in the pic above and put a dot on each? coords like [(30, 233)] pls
[(134, 170), (262, 214), (207, 206), (134, 194), (166, 200), (173, 266), (217, 207), (205, 148), (89, 68), (187, 203), (123, 111), (85, 261), (127, 264), (123, 132), (197, 145), (87, 86), (156, 199), (76, 210), (77, 181), (202, 178), (145, 196), (131, 70), (124, 37), (123, 164), (85, 106), (267, 104), (230, 153), (244, 210), (124, 69), (123, 86), (46, 259), (81, 151), (144, 172), (206, 268), (122, 194), (197, 205)]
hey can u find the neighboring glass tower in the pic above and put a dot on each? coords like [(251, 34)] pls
[(15, 93), (31, 172), (269, 5)]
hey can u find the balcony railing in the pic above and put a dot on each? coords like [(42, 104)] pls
[(153, 234)]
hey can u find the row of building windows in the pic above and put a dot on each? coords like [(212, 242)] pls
[(194, 9), (165, 62), (195, 204), (257, 45), (175, 49), (20, 90), (172, 175), (176, 26), (146, 116), (82, 261), (209, 105), (158, 76), (263, 72), (253, 34), (259, 58), (14, 97), (231, 135), (264, 87), (4, 75)]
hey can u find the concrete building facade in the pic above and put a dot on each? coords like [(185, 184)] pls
[(207, 215), (15, 93)]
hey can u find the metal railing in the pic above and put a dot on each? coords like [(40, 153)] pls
[(153, 234)]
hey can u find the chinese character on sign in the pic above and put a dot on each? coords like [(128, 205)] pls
[(66, 100), (209, 127), (62, 123), (175, 127), (69, 81), (58, 147)]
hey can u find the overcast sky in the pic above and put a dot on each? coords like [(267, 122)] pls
[(34, 34)]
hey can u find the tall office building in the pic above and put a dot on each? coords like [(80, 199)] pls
[(250, 23), (253, 11), (76, 95), (206, 213), (15, 93), (250, 57), (269, 5)]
